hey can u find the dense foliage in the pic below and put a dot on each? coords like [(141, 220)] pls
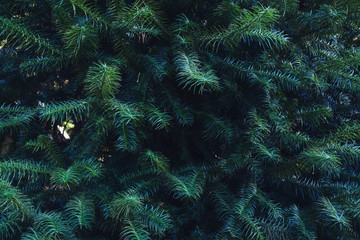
[(191, 119)]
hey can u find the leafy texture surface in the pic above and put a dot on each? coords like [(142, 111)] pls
[(187, 119)]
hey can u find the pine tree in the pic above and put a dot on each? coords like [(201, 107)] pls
[(232, 119)]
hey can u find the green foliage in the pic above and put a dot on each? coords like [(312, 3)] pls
[(51, 225), (46, 144), (156, 219), (30, 170), (216, 127), (155, 161), (125, 203), (187, 186), (19, 35), (90, 11), (64, 111), (102, 80), (157, 118), (193, 76), (127, 139), (14, 202), (142, 19), (298, 223), (165, 119), (41, 64), (81, 39), (90, 169), (249, 26), (8, 227), (135, 231), (15, 123), (125, 113), (332, 216), (80, 212)]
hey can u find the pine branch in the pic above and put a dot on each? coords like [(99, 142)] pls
[(16, 123), (46, 144), (63, 111), (33, 236), (286, 80), (156, 219), (331, 215), (52, 225), (8, 227), (125, 113), (81, 39), (89, 168), (157, 66), (66, 178), (188, 186), (102, 80), (157, 118), (299, 224), (181, 111), (125, 205), (134, 231), (250, 26), (8, 111), (14, 202), (315, 115), (217, 128), (154, 160), (30, 170), (127, 138), (81, 212), (192, 75), (143, 19), (224, 201), (42, 64), (18, 34), (319, 158), (91, 11)]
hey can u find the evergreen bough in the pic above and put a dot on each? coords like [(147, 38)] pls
[(232, 119)]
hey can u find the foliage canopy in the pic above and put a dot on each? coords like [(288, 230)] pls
[(136, 120)]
